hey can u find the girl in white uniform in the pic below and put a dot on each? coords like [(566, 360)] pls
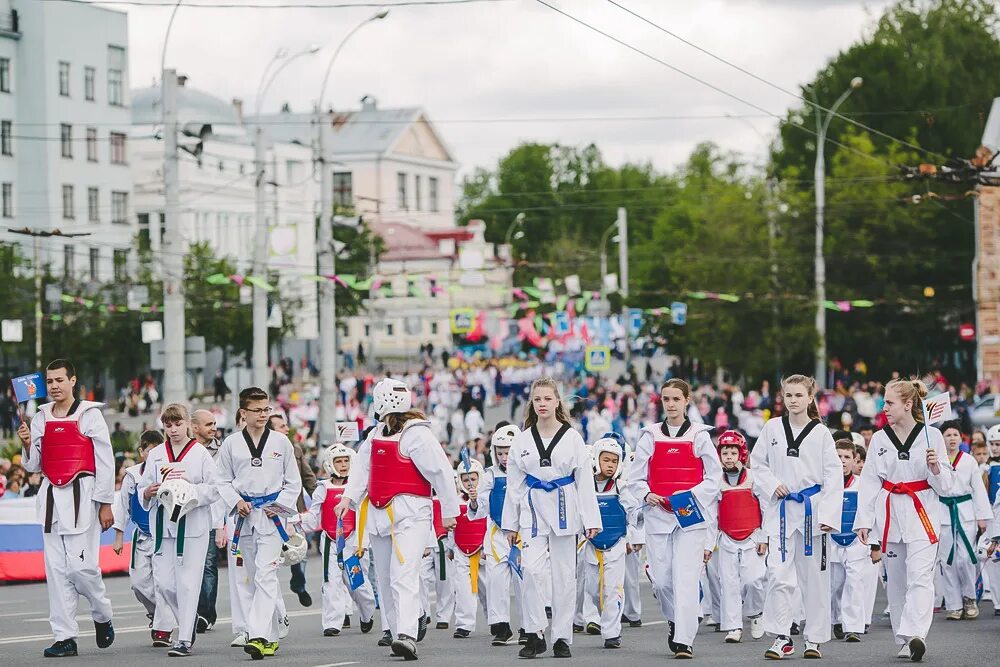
[(550, 500), (905, 474), (181, 525), (674, 457), (796, 469)]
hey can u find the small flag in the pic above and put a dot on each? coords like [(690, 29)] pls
[(937, 408), (514, 560), (463, 457), (29, 387)]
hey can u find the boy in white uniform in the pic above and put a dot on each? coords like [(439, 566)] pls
[(437, 573), (466, 551), (182, 518), (259, 483)]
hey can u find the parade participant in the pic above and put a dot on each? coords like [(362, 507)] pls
[(797, 471), (899, 498), (337, 593), (69, 443), (467, 539), (851, 561), (550, 500), (128, 508), (499, 572), (437, 573), (676, 458), (968, 514), (259, 484), (178, 487), (204, 429), (635, 539), (398, 466), (741, 543), (604, 553)]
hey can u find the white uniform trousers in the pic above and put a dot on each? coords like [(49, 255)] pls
[(586, 609), (910, 571), (991, 578), (675, 561), (72, 569), (712, 588), (398, 560), (850, 569), (240, 590), (500, 578), (798, 573), (465, 600), (607, 595), (958, 580), (872, 576), (338, 598), (742, 577), (257, 583), (178, 582), (140, 573), (633, 576), (444, 589), (544, 559)]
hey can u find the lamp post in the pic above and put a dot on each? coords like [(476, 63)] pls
[(328, 263), (822, 125), (518, 221), (604, 258)]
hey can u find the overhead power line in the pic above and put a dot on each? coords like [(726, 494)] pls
[(294, 4)]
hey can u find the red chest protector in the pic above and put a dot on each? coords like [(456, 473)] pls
[(469, 533), (438, 521), (673, 467), (329, 519), (66, 452), (739, 510), (393, 474)]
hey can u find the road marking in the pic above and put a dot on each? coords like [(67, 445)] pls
[(22, 613), (644, 623), (86, 617), (338, 664)]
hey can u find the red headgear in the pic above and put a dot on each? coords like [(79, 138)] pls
[(735, 439)]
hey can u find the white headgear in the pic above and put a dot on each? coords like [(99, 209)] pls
[(610, 446), (858, 439), (337, 451), (993, 435), (177, 497), (390, 396), (294, 550), (474, 467), (503, 437), (983, 548)]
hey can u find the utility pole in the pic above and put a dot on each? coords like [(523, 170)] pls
[(327, 294), (772, 246), (173, 250), (259, 270), (622, 224)]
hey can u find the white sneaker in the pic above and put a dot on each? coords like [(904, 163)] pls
[(240, 640), (734, 636), (904, 652), (709, 620), (283, 624), (756, 627)]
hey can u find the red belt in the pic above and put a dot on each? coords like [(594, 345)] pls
[(910, 489)]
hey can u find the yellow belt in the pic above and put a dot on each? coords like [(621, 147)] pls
[(474, 571), (363, 519)]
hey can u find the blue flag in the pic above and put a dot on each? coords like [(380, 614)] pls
[(355, 573), (686, 509), (463, 457), (29, 387), (514, 560)]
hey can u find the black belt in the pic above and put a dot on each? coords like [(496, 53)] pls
[(50, 503)]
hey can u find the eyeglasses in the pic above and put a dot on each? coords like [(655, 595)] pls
[(258, 411)]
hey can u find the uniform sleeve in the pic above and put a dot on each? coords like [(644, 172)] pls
[(638, 472), (357, 482), (291, 482), (764, 480), (104, 456), (208, 488), (427, 454), (583, 475), (980, 499), (148, 479), (830, 510), (31, 458), (482, 497), (706, 492), (511, 519), (226, 476), (120, 507), (311, 518)]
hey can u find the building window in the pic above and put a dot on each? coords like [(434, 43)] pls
[(89, 74), (69, 263), (91, 144), (367, 330), (417, 194), (118, 155), (388, 329), (66, 139), (64, 78), (67, 192), (432, 193), (343, 189), (93, 210), (119, 207), (4, 75), (8, 200), (95, 264), (116, 76), (121, 265), (401, 191), (6, 141), (434, 328)]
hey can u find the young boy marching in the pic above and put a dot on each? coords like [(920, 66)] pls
[(178, 487), (467, 541), (741, 544), (437, 573), (259, 483), (796, 469), (340, 541)]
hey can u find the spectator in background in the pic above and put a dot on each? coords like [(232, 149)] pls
[(474, 423)]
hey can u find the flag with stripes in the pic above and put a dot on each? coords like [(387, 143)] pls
[(938, 408)]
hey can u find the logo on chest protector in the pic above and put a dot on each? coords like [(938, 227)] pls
[(673, 450), (59, 429)]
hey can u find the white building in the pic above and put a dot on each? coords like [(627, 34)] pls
[(217, 191), (64, 123)]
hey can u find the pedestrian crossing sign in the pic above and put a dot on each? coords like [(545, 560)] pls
[(597, 358)]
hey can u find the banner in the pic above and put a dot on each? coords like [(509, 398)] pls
[(462, 320), (597, 358)]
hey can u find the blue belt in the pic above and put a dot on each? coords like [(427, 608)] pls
[(554, 485), (257, 502), (802, 496)]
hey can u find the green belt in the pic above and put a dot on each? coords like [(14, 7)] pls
[(181, 526), (956, 526)]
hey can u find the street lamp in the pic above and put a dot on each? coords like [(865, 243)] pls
[(604, 257), (328, 263), (518, 220), (822, 125)]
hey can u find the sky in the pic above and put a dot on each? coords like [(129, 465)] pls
[(493, 74)]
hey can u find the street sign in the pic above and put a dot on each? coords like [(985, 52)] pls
[(678, 313), (194, 354), (597, 358), (152, 331), (11, 331), (562, 322), (634, 321), (967, 331), (462, 320), (137, 297)]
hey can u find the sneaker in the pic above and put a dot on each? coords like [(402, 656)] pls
[(347, 622), (270, 648), (255, 648), (795, 630), (852, 638), (61, 649), (406, 647), (734, 636), (386, 639), (561, 649), (904, 652), (812, 651), (711, 621), (421, 631), (104, 634), (954, 615), (462, 633), (781, 648), (970, 609), (593, 629), (501, 634), (614, 642), (180, 650), (671, 644), (684, 652), (305, 599), (577, 628), (533, 645), (201, 625), (756, 627), (867, 626), (240, 640), (917, 649), (161, 638), (366, 626), (838, 630), (441, 626), (331, 632), (522, 637), (283, 626), (637, 623)]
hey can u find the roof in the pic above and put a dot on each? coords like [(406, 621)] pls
[(991, 134), (403, 242), (193, 106)]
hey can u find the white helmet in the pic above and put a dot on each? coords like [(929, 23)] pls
[(474, 467), (993, 435), (177, 497), (503, 437), (610, 446), (390, 396), (294, 550), (337, 451), (983, 548), (858, 439)]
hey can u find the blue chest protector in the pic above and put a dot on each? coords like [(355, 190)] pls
[(140, 516), (994, 479), (846, 536), (497, 495), (613, 519)]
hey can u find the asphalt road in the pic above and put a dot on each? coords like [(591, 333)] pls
[(24, 633)]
